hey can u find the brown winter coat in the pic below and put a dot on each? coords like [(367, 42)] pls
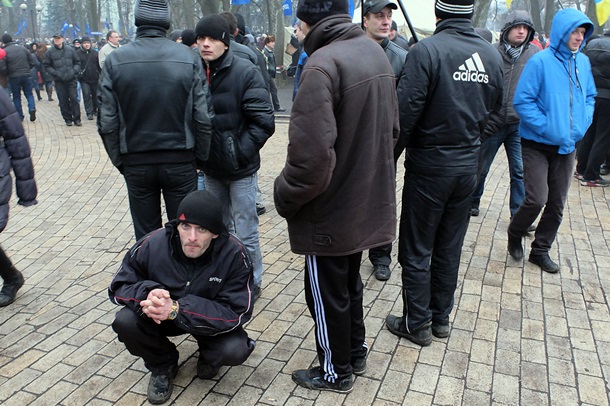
[(337, 189)]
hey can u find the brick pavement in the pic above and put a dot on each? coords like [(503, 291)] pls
[(518, 337)]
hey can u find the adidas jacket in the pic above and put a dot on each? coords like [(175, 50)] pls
[(555, 94), (454, 82)]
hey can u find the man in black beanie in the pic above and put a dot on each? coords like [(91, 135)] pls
[(243, 122), (154, 126), (187, 278), (336, 190), (454, 83)]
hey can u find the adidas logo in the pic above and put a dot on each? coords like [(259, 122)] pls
[(472, 70)]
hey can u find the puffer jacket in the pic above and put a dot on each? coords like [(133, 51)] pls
[(455, 81), (62, 63), (15, 154), (598, 51), (18, 61), (512, 71), (214, 291), (337, 188), (555, 97), (244, 119), (152, 102)]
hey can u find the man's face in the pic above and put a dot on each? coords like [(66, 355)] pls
[(77, 45), (86, 45), (194, 239), (517, 35), (378, 25), (299, 33), (576, 38), (210, 49), (271, 45), (305, 27), (392, 34), (58, 41), (114, 39)]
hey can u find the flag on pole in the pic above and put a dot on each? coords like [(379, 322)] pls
[(19, 30), (107, 24), (239, 2), (508, 3), (7, 3), (64, 28), (87, 28), (287, 7), (603, 11)]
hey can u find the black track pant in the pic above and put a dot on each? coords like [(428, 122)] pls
[(68, 100), (434, 220), (333, 291), (592, 150), (147, 339)]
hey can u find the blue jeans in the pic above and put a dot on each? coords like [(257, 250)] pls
[(509, 136), (17, 85), (240, 215)]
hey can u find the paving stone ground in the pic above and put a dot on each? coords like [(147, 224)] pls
[(518, 337)]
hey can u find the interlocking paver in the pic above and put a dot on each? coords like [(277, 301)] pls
[(519, 336)]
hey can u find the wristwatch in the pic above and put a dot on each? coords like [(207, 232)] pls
[(174, 312)]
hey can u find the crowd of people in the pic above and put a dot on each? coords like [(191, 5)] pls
[(195, 136)]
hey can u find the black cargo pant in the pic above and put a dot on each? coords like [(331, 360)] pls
[(333, 291), (147, 339), (433, 223)]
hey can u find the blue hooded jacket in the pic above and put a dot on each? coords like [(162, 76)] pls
[(555, 94)]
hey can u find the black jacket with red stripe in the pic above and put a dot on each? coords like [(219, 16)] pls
[(214, 291)]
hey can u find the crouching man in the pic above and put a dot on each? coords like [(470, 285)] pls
[(190, 277)]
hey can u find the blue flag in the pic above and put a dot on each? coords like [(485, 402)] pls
[(87, 29), (76, 28), (64, 28), (351, 8), (19, 30), (287, 7), (107, 24), (239, 2)]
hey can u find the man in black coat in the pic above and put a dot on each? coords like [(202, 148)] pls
[(17, 66), (191, 277), (88, 76), (63, 64)]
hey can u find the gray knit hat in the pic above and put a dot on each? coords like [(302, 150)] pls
[(152, 12)]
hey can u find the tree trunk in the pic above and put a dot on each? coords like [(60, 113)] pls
[(550, 11), (481, 11), (536, 16), (93, 14)]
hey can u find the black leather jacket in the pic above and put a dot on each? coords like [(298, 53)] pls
[(396, 55), (598, 51), (152, 100), (244, 118)]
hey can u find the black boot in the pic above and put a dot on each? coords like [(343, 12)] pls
[(13, 281), (38, 94)]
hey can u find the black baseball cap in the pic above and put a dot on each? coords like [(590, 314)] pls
[(375, 6), (58, 35)]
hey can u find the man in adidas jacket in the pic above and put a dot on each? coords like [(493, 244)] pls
[(454, 82), (555, 101)]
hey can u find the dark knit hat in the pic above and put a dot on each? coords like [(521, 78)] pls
[(312, 11), (215, 27), (86, 39), (76, 41), (375, 6), (203, 208), (241, 23), (189, 37), (175, 34), (6, 38), (152, 12), (444, 9)]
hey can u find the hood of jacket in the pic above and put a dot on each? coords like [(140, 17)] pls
[(329, 29), (515, 18), (564, 23)]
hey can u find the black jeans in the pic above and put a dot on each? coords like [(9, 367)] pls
[(146, 183), (68, 100), (273, 91), (433, 223), (146, 339), (547, 176), (89, 91), (333, 291), (592, 150)]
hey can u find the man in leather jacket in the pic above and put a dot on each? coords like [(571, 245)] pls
[(191, 277), (153, 117), (377, 22)]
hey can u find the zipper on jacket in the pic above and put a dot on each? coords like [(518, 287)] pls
[(571, 96)]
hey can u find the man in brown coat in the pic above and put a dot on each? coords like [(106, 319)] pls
[(337, 188)]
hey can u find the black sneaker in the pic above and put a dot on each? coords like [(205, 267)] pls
[(32, 115), (89, 116), (205, 370), (8, 294), (314, 379), (595, 182), (515, 247), (382, 272), (440, 330), (474, 211), (603, 169), (359, 365), (78, 123), (280, 110), (544, 262), (69, 123), (260, 209), (160, 386), (422, 336)]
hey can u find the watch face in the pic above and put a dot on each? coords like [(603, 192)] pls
[(172, 315)]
